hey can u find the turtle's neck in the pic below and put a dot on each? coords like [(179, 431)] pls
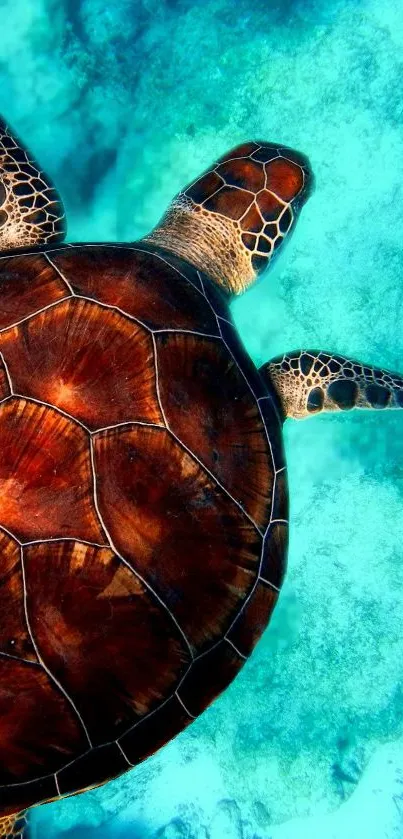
[(208, 241)]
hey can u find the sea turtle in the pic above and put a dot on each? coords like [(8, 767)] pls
[(143, 486)]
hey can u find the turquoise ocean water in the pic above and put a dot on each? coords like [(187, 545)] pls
[(124, 103)]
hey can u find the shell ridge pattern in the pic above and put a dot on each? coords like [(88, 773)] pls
[(109, 542), (216, 480), (54, 408), (160, 706), (249, 386), (171, 265), (2, 653), (125, 561), (128, 422), (276, 471), (195, 457), (34, 314), (9, 533), (183, 705), (274, 406), (269, 584), (219, 318), (285, 521), (271, 520), (211, 305), (10, 384), (238, 652), (72, 762), (253, 589), (124, 246), (27, 783), (121, 749), (20, 658), (186, 332), (215, 646), (73, 419), (40, 659), (62, 277), (126, 315), (74, 539)]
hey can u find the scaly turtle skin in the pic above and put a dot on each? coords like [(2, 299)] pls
[(143, 492)]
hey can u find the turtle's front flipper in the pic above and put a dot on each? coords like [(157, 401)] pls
[(31, 212), (309, 381), (14, 827)]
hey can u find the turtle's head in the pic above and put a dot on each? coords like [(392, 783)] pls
[(232, 220)]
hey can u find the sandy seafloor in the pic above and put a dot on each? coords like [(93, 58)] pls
[(124, 103)]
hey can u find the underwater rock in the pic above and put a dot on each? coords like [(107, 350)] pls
[(226, 822), (176, 829)]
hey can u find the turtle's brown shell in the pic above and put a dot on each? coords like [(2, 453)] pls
[(142, 511)]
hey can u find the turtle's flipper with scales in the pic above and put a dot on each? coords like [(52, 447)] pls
[(310, 381), (13, 827), (31, 211)]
